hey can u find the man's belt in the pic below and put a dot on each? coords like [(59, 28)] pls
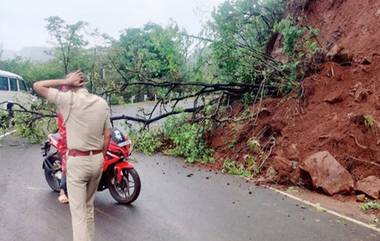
[(73, 152)]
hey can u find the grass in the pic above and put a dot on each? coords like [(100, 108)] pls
[(251, 165), (232, 144), (369, 206), (254, 145), (369, 121), (233, 168)]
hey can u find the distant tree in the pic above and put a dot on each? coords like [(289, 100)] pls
[(32, 71), (241, 29), (151, 53), (67, 38)]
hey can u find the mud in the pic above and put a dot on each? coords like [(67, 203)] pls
[(339, 110)]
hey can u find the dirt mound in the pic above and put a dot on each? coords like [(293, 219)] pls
[(340, 110), (351, 24)]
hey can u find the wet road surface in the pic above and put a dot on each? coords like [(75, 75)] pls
[(177, 202)]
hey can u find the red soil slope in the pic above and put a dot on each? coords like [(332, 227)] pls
[(337, 104)]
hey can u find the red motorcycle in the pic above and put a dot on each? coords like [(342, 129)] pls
[(118, 174)]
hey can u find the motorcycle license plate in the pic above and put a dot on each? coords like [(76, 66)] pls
[(124, 143)]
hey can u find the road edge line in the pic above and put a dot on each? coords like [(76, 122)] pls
[(324, 209), (7, 134)]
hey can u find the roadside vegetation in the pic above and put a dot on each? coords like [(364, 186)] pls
[(178, 137), (147, 142), (370, 206), (233, 168), (230, 60)]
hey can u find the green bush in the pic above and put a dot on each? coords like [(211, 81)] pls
[(291, 33), (36, 131), (251, 165), (253, 144), (36, 124), (147, 142), (4, 120), (188, 140), (297, 40), (233, 168), (117, 100), (371, 205), (369, 121)]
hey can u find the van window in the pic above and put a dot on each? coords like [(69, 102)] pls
[(13, 83), (4, 83), (22, 85)]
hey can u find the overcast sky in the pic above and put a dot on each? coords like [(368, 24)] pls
[(22, 21)]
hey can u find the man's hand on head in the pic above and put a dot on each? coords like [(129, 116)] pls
[(75, 79)]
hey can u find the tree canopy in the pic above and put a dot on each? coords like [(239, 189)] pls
[(230, 59), (68, 39)]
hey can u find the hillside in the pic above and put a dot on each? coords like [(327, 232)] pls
[(31, 53), (338, 112)]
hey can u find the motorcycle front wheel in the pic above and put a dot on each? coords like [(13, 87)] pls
[(128, 190), (53, 179), (53, 174)]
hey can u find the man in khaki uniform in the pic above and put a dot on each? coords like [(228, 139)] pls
[(87, 120)]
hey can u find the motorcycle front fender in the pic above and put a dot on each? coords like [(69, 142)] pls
[(119, 167)]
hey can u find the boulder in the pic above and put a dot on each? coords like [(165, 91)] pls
[(360, 93), (327, 173), (334, 98), (377, 14), (366, 61), (282, 165), (360, 198), (335, 50), (339, 55), (270, 174), (370, 186), (292, 152)]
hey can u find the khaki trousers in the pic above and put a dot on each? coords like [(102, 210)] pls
[(83, 176)]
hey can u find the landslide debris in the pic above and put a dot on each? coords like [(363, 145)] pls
[(337, 114)]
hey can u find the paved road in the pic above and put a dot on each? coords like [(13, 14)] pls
[(136, 110), (174, 206)]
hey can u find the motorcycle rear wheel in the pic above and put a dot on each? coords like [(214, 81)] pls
[(121, 191)]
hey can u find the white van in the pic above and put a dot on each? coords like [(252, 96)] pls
[(13, 88)]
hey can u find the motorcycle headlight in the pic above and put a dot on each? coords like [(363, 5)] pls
[(124, 143)]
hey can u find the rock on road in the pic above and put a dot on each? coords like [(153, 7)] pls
[(177, 203)]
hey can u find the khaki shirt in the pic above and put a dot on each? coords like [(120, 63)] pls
[(85, 115)]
